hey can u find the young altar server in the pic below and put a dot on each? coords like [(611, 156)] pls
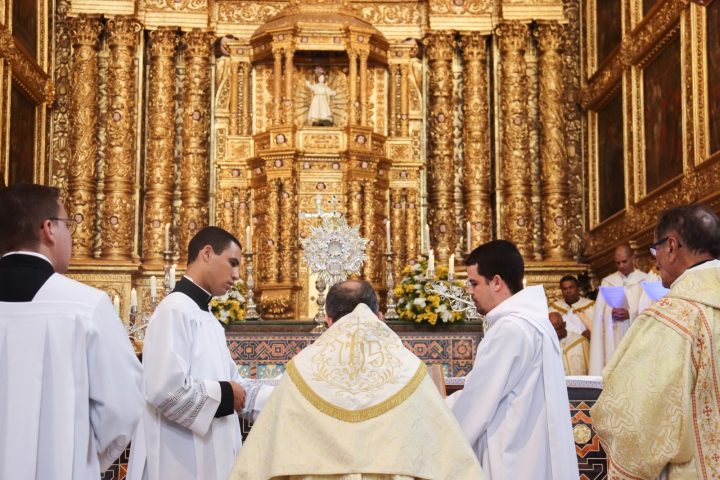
[(514, 407), (71, 385), (356, 404), (190, 429)]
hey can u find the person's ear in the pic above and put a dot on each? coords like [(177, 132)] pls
[(207, 252), (47, 236)]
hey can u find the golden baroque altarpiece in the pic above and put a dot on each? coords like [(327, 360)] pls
[(443, 111)]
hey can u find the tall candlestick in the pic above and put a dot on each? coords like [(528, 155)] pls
[(133, 298), (248, 240), (388, 240), (426, 237), (167, 237), (468, 238), (451, 266), (172, 277), (153, 287), (116, 304), (431, 261)]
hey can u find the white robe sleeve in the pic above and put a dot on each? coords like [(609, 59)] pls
[(187, 401), (115, 384), (256, 394), (502, 358)]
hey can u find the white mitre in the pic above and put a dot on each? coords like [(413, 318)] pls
[(358, 369)]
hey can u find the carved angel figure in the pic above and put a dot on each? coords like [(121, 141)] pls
[(319, 113)]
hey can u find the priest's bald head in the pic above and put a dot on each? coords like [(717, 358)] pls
[(343, 297), (214, 260), (495, 273), (624, 259), (33, 219)]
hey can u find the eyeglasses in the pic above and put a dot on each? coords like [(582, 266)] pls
[(69, 222), (654, 246)]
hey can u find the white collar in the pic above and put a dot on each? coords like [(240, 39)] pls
[(196, 284)]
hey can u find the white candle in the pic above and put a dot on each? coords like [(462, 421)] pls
[(468, 234), (248, 240), (116, 304), (153, 287), (451, 265), (524, 282), (133, 298), (167, 237), (172, 277), (388, 240), (426, 235), (431, 261)]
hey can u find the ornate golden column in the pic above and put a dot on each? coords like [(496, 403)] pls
[(118, 215), (195, 174), (288, 103), (246, 120), (273, 214), (516, 206), (392, 101), (83, 133), (553, 158), (289, 231), (277, 85), (476, 139), (404, 99), (370, 268), (352, 87), (441, 190), (355, 204), (397, 224), (160, 143), (233, 102), (412, 223), (363, 88)]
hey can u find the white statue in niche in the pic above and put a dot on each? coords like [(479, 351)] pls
[(320, 113)]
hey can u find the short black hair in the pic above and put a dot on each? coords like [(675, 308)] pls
[(23, 209), (502, 258), (570, 278), (216, 237), (343, 297), (697, 225)]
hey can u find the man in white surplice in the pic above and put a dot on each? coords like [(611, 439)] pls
[(190, 429), (610, 324), (71, 384), (514, 408), (356, 405)]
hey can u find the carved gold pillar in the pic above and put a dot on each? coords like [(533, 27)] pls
[(277, 85), (476, 140), (369, 230), (118, 215), (412, 223), (288, 103), (289, 233), (274, 230), (397, 224), (355, 204), (363, 89), (83, 134), (392, 101), (246, 116), (352, 88), (441, 189), (194, 171), (553, 156), (160, 143), (234, 123), (516, 207), (241, 207), (404, 100)]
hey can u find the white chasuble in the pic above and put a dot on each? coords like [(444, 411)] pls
[(185, 355), (71, 384), (514, 408), (578, 316), (356, 405), (576, 354), (660, 406), (607, 333)]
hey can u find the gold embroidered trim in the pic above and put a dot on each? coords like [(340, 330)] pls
[(580, 309), (558, 308), (355, 416)]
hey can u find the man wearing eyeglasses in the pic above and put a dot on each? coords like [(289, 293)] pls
[(71, 395), (660, 406), (610, 324)]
